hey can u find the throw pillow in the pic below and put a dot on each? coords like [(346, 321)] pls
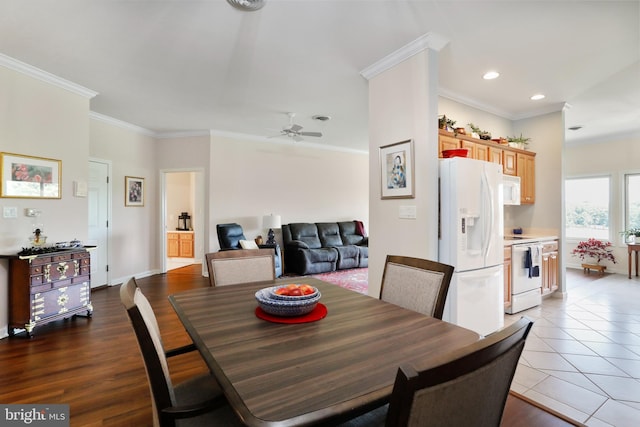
[(248, 244)]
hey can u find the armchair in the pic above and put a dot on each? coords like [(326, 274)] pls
[(229, 236)]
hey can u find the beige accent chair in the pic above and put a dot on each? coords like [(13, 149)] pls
[(240, 266), (416, 284), (197, 401), (467, 387)]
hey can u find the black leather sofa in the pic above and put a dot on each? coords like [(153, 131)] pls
[(229, 236), (311, 248)]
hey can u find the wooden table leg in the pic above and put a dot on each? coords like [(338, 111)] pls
[(629, 250), (636, 263)]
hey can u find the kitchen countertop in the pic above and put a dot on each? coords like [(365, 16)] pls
[(518, 239)]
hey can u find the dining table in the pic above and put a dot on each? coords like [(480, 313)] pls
[(319, 372)]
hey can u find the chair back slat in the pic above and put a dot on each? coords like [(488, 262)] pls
[(416, 284), (240, 266), (469, 387)]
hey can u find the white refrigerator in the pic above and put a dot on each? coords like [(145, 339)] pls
[(471, 239)]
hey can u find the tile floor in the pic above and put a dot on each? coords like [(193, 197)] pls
[(582, 357)]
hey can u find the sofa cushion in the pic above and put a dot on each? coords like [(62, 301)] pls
[(306, 233), (229, 235), (348, 257), (349, 234), (329, 234)]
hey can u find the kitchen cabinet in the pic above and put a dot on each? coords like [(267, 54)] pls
[(48, 285), (526, 170), (180, 244), (508, 162), (471, 146), (507, 277), (447, 142), (549, 267)]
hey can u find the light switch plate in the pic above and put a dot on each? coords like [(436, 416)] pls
[(407, 212), (10, 212)]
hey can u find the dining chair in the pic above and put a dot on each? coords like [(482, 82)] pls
[(416, 284), (240, 266), (468, 387), (197, 401)]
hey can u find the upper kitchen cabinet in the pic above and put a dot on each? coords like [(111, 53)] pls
[(526, 170), (514, 161)]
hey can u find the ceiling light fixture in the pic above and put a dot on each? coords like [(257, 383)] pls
[(247, 5), (490, 75), (575, 128), (321, 118), (537, 97)]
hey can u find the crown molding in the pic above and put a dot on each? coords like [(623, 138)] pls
[(121, 124), (182, 134), (431, 41), (36, 73)]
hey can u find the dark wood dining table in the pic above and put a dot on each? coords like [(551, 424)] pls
[(315, 373)]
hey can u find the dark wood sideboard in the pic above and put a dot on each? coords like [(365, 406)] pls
[(48, 286)]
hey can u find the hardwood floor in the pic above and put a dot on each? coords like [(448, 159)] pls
[(94, 365)]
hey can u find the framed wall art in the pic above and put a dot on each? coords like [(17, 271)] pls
[(134, 191), (396, 170), (30, 177)]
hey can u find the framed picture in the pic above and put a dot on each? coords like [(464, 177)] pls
[(396, 170), (134, 191), (30, 177)]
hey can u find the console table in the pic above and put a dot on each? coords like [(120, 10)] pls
[(631, 247), (47, 286)]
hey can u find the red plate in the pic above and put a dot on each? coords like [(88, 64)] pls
[(316, 314)]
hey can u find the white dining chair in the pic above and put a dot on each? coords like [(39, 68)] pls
[(237, 266)]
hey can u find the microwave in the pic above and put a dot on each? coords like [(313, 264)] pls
[(511, 189)]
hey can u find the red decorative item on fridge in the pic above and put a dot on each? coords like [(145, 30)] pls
[(458, 152)]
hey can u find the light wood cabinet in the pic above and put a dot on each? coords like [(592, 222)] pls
[(507, 277), (471, 146), (526, 170), (180, 245), (495, 156), (446, 142), (549, 267), (508, 162)]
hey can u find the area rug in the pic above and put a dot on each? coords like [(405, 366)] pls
[(356, 279)]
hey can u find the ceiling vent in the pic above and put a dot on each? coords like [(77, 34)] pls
[(247, 5)]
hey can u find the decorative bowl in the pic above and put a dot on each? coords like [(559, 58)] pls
[(458, 152), (274, 295), (285, 308)]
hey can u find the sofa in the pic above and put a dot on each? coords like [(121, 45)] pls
[(230, 237), (312, 248)]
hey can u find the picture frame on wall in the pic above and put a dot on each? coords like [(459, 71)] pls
[(396, 170), (30, 177), (134, 191)]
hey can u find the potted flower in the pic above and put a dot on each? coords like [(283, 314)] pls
[(594, 249), (476, 132), (631, 235), (518, 141), (446, 123)]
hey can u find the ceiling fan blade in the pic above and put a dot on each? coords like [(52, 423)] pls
[(311, 133), (295, 128)]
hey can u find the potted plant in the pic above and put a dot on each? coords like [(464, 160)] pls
[(631, 235), (594, 249), (446, 123), (518, 141), (476, 132)]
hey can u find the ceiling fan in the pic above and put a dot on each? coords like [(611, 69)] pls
[(295, 132)]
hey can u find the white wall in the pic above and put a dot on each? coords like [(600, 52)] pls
[(134, 237), (180, 198), (43, 120), (464, 114), (614, 157), (403, 105), (298, 181)]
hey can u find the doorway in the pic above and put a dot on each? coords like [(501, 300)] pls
[(99, 212), (182, 193)]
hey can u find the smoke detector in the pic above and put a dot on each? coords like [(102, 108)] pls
[(247, 5)]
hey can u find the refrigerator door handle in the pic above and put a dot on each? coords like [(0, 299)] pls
[(488, 198)]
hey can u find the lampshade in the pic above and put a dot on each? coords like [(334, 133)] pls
[(271, 221)]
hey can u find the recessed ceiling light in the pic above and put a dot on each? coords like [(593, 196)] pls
[(575, 128), (490, 75), (537, 97), (247, 5), (321, 117)]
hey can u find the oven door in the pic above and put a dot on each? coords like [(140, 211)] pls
[(520, 280)]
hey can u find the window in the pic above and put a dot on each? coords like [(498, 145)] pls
[(587, 207), (632, 201)]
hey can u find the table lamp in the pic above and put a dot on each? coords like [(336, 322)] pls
[(271, 221)]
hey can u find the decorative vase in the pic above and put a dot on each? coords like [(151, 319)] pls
[(636, 240)]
